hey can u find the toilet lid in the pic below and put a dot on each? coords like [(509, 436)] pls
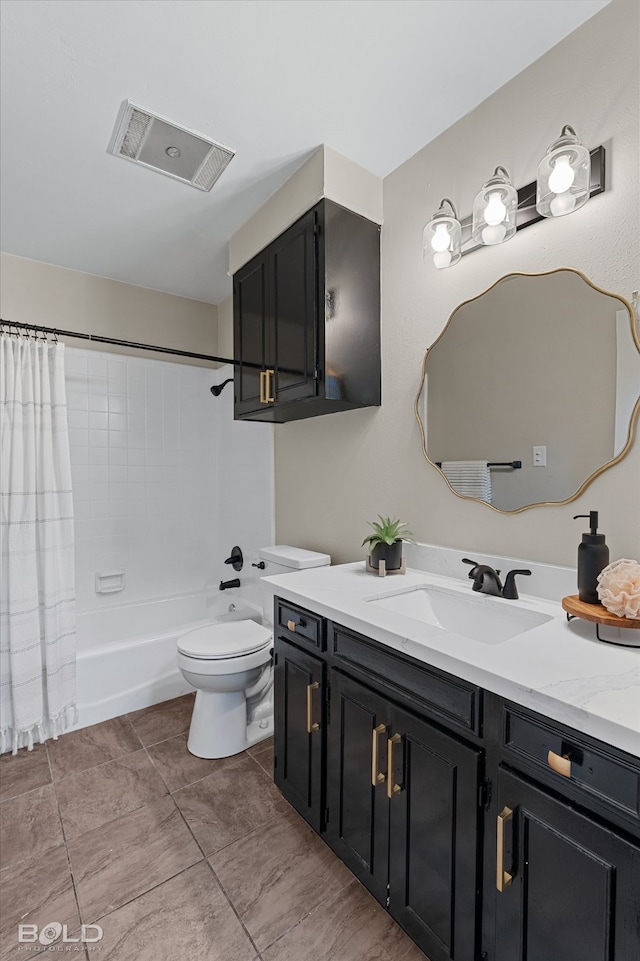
[(224, 640)]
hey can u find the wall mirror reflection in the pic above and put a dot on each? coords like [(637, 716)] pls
[(541, 370)]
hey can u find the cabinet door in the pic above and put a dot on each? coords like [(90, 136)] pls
[(358, 827), (300, 724), (293, 310), (434, 834), (251, 333), (574, 893)]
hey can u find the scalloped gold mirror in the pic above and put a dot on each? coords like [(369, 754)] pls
[(546, 361)]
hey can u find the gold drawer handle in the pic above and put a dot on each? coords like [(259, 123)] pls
[(311, 724), (377, 777), (291, 625), (561, 764), (503, 878), (263, 393), (269, 398), (392, 788)]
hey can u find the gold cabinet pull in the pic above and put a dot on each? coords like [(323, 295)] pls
[(503, 878), (377, 777), (269, 398), (291, 626), (311, 724), (263, 394), (392, 788), (561, 764)]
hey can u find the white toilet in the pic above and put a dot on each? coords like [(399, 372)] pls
[(231, 666)]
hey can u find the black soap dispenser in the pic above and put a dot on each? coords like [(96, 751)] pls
[(593, 557)]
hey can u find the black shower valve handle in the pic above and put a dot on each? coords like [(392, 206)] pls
[(235, 558)]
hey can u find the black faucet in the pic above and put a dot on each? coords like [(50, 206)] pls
[(226, 584), (487, 580)]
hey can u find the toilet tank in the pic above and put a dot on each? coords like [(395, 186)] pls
[(283, 559)]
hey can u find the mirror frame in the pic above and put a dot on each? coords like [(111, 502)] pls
[(633, 322)]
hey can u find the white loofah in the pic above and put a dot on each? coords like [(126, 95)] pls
[(619, 588)]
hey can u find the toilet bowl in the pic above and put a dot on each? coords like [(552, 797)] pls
[(231, 667)]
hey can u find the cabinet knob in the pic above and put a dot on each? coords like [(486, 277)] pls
[(291, 626)]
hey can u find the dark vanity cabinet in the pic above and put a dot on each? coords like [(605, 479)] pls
[(489, 832), (300, 708), (567, 840), (403, 815), (569, 886), (307, 320)]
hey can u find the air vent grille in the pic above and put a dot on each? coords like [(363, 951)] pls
[(134, 134), (213, 166), (152, 141)]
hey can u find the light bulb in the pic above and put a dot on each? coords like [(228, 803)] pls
[(495, 211), (562, 175), (493, 234), (562, 204), (441, 258), (441, 239)]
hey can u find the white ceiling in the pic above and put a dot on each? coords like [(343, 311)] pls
[(374, 79)]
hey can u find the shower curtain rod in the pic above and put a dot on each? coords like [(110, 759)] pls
[(119, 343)]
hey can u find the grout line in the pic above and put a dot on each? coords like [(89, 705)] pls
[(313, 910), (233, 907), (148, 891), (205, 858), (66, 850), (182, 787)]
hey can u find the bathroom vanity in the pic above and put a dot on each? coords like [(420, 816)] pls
[(473, 760)]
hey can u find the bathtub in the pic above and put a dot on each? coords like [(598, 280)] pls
[(127, 654)]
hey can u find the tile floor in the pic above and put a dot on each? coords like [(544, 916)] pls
[(173, 856)]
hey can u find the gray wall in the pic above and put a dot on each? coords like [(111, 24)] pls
[(334, 473)]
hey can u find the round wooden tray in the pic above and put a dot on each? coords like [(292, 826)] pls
[(598, 614)]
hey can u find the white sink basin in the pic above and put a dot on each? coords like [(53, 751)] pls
[(479, 617)]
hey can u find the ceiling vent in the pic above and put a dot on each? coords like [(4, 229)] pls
[(156, 143)]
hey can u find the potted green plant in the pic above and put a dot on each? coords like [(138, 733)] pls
[(386, 542)]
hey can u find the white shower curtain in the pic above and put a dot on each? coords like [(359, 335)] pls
[(37, 577)]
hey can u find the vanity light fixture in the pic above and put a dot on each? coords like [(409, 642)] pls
[(567, 177), (494, 210), (563, 176), (442, 237)]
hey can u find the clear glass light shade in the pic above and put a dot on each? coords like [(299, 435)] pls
[(442, 238), (564, 176), (494, 210)]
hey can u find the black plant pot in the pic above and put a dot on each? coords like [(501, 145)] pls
[(391, 554)]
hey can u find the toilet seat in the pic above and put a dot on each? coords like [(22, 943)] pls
[(217, 641)]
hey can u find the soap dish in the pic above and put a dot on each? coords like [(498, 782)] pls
[(598, 615)]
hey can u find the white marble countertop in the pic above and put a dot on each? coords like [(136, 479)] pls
[(558, 669)]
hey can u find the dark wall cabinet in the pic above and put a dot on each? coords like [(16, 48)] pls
[(488, 832), (307, 320)]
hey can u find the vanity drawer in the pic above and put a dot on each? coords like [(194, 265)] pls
[(568, 757), (300, 625), (433, 692)]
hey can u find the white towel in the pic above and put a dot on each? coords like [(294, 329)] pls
[(472, 478)]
